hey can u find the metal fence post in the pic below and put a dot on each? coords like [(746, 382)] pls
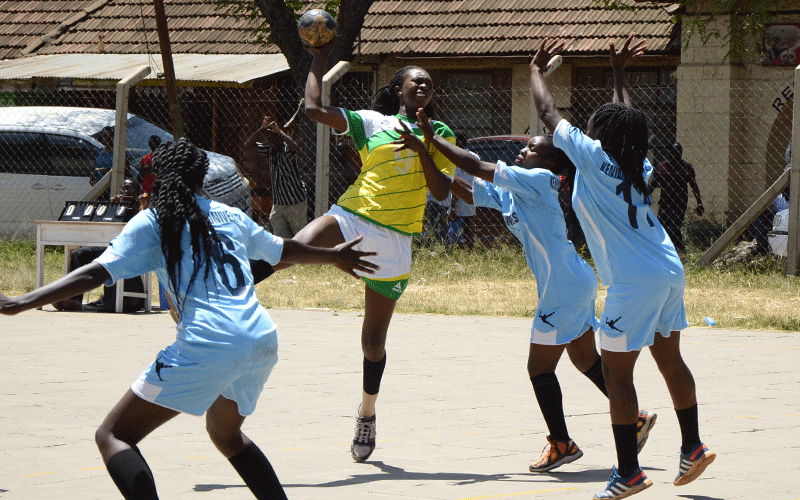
[(793, 243)]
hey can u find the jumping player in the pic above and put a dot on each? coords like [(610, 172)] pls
[(385, 204), (634, 258), (226, 344), (527, 195)]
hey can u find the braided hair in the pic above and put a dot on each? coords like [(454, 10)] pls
[(622, 131), (180, 168), (387, 102)]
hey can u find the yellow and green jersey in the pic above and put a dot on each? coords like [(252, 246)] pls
[(390, 190)]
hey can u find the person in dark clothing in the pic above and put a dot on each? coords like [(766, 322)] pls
[(672, 176)]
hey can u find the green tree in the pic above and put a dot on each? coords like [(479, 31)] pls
[(276, 23)]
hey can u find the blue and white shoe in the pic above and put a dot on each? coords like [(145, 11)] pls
[(623, 487), (693, 464)]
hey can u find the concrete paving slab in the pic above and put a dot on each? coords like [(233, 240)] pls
[(457, 418)]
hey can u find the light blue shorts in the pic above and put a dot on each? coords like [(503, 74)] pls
[(562, 325), (634, 313), (192, 386)]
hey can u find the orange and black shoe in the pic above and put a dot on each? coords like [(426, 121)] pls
[(556, 454), (644, 423)]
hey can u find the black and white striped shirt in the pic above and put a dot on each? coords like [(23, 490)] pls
[(286, 182)]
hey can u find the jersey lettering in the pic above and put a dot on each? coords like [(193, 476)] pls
[(230, 269), (625, 188)]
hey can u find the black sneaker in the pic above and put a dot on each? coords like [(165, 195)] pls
[(98, 305)]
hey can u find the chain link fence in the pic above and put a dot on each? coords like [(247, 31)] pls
[(735, 137)]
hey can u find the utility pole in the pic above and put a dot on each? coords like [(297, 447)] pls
[(169, 69)]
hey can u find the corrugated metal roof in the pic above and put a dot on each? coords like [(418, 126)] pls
[(238, 68)]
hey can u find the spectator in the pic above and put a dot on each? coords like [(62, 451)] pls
[(129, 192), (104, 161), (672, 176), (435, 226), (289, 205), (146, 174), (460, 232)]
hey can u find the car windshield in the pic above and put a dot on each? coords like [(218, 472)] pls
[(139, 132)]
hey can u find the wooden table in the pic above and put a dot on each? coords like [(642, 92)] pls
[(75, 234)]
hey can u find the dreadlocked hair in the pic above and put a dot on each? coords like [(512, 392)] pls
[(180, 168), (622, 131), (387, 102)]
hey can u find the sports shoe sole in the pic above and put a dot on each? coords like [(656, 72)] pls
[(649, 422), (696, 469), (558, 463)]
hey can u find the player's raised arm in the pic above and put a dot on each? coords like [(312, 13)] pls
[(80, 280), (327, 115), (620, 59), (545, 104)]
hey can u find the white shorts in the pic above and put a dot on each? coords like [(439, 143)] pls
[(634, 313), (191, 386), (394, 251), (562, 325)]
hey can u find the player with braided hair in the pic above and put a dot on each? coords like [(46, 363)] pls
[(386, 204), (226, 343), (634, 258)]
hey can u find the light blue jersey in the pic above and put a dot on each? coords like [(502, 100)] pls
[(221, 319), (627, 242), (528, 200)]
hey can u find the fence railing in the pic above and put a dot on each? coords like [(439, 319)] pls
[(735, 139)]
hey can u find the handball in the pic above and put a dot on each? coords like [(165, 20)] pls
[(316, 28)]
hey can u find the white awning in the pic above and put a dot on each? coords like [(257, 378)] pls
[(233, 68)]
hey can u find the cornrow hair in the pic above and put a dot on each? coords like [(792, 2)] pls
[(180, 168), (387, 102), (622, 131)]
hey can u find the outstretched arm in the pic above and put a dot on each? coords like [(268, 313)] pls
[(81, 280), (327, 115), (463, 190), (620, 59), (461, 158), (545, 104), (696, 190), (342, 256)]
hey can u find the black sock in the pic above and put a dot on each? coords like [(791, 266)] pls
[(595, 374), (625, 440), (373, 373), (548, 394), (690, 432), (258, 474), (132, 475)]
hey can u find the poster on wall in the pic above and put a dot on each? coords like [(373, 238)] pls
[(782, 44)]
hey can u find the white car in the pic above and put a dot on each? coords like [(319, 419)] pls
[(779, 236), (47, 155)]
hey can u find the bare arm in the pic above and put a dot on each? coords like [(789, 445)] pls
[(620, 59), (462, 189), (342, 256), (81, 280), (696, 190), (545, 104), (327, 115)]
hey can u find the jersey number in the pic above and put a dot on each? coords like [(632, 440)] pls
[(625, 188), (230, 270)]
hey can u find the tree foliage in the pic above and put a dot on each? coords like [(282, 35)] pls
[(698, 18), (275, 22)]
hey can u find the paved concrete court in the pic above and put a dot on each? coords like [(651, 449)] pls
[(457, 418)]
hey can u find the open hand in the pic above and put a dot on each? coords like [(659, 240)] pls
[(424, 123), (548, 50), (408, 139), (700, 210), (350, 260), (322, 51), (620, 58)]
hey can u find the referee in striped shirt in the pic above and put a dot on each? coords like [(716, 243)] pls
[(289, 205)]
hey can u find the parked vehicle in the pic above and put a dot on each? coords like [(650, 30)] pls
[(779, 236), (47, 155)]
